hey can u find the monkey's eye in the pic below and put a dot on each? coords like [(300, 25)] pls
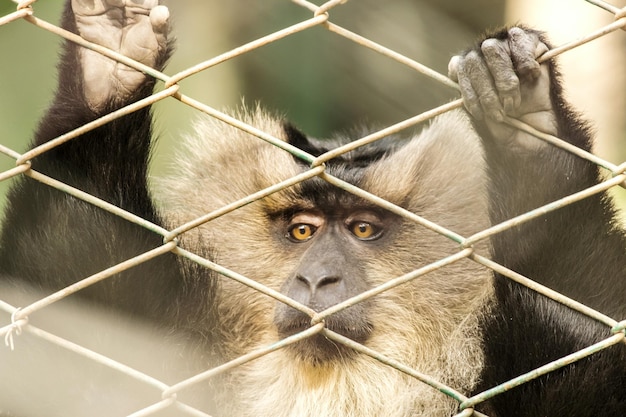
[(301, 232), (364, 230)]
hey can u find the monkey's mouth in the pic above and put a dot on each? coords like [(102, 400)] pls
[(318, 349)]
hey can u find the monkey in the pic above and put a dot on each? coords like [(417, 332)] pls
[(320, 245)]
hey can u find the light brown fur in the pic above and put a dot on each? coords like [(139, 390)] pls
[(429, 324)]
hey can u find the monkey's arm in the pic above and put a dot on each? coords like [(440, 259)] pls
[(112, 160), (52, 239), (577, 249)]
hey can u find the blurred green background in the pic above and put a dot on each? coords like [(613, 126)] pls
[(321, 81)]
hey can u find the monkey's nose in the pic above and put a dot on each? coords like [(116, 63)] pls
[(317, 289), (318, 283)]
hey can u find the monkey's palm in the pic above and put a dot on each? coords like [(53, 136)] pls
[(137, 30)]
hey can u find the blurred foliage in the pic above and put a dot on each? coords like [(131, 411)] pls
[(321, 81), (27, 78), (6, 7)]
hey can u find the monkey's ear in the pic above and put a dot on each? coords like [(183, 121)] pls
[(294, 136), (298, 139)]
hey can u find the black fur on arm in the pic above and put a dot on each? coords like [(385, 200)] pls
[(528, 331), (576, 250), (111, 161), (51, 239)]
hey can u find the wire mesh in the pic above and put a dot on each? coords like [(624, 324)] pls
[(172, 393)]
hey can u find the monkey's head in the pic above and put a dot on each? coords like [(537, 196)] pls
[(321, 245)]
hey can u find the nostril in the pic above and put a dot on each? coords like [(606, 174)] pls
[(328, 280), (304, 280), (318, 290), (314, 283)]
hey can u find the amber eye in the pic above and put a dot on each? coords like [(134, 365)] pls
[(363, 230), (301, 232)]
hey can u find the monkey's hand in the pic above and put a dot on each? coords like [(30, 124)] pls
[(137, 29), (502, 77)]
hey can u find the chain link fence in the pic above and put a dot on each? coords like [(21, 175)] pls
[(61, 324)]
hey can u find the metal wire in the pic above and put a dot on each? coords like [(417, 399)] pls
[(321, 18)]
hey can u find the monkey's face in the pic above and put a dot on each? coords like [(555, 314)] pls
[(320, 245), (331, 246)]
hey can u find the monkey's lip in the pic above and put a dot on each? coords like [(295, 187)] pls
[(359, 332), (352, 322), (318, 348)]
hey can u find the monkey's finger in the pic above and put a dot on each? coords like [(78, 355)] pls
[(498, 60), (145, 36), (453, 68), (159, 19), (480, 95), (470, 98), (523, 45), (89, 7)]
